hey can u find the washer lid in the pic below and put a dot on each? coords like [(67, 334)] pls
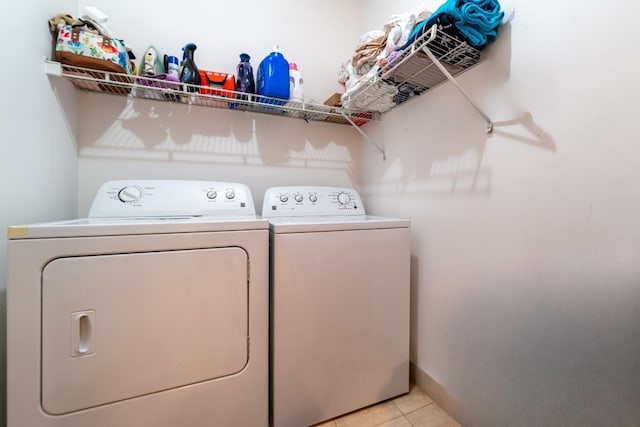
[(308, 224)]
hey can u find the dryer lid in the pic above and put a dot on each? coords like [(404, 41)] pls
[(156, 206)]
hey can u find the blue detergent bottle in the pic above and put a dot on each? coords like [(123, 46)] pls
[(273, 78)]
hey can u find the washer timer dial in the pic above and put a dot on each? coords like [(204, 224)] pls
[(343, 198)]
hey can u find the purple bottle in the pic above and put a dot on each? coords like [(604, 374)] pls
[(244, 77)]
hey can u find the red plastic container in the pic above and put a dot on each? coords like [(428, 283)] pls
[(215, 83)]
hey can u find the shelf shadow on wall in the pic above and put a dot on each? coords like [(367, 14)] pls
[(453, 163), (435, 152), (125, 128), (534, 135), (460, 168)]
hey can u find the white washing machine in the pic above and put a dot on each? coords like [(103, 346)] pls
[(339, 304), (151, 312)]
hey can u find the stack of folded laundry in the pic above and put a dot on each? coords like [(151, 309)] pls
[(475, 22)]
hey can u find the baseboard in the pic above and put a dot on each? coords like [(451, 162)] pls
[(435, 391)]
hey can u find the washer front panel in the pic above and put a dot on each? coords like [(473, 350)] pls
[(340, 322)]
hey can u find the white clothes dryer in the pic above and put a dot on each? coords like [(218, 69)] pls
[(152, 312), (339, 304)]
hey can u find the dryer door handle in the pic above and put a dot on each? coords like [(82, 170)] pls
[(83, 333)]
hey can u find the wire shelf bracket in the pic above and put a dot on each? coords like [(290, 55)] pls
[(453, 80), (365, 136)]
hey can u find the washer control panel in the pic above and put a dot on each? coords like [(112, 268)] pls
[(311, 201), (171, 198)]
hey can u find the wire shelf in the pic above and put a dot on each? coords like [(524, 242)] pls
[(163, 90), (432, 59), (412, 72)]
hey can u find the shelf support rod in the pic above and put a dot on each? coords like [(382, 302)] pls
[(364, 135), (452, 79)]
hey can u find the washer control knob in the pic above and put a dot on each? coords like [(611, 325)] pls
[(299, 198), (230, 194), (284, 198), (129, 194), (313, 198), (212, 194), (343, 198)]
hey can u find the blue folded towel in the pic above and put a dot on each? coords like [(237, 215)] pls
[(477, 20)]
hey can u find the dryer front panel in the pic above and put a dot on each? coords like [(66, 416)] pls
[(115, 327)]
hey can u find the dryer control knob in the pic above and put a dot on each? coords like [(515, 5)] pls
[(313, 198), (129, 194), (284, 198), (343, 198), (230, 194), (212, 194), (299, 198)]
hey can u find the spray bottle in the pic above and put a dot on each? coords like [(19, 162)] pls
[(190, 74)]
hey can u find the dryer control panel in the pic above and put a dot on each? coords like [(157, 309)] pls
[(311, 201), (171, 198)]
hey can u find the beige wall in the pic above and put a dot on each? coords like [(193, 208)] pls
[(525, 269), (38, 161)]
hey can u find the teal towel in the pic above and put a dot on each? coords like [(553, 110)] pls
[(478, 20)]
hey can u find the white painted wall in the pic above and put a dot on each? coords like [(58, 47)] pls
[(38, 162), (525, 269), (143, 139)]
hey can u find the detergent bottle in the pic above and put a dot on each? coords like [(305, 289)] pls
[(295, 83), (273, 77), (245, 82)]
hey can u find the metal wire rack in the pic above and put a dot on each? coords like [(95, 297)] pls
[(433, 58), (163, 90)]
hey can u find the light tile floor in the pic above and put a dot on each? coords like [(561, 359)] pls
[(414, 409)]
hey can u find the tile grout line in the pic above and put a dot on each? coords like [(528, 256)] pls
[(405, 416)]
